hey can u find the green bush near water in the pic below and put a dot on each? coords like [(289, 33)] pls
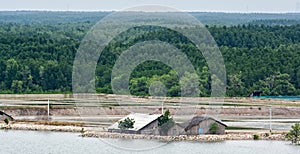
[(6, 121), (255, 137), (294, 134)]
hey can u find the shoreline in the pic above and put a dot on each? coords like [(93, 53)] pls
[(30, 111), (95, 133), (41, 127), (202, 138)]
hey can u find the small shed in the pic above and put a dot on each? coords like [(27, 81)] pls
[(196, 126), (144, 124)]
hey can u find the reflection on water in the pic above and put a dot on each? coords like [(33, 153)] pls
[(57, 142)]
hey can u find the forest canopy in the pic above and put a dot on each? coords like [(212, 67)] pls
[(261, 55)]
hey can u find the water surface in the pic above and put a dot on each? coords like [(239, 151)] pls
[(36, 142)]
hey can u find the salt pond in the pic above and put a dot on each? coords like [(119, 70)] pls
[(12, 141)]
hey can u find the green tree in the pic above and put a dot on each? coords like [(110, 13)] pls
[(126, 123), (11, 73), (204, 81), (171, 81), (6, 121), (41, 56), (189, 83), (138, 86), (278, 84), (120, 85), (213, 128), (235, 85), (17, 86), (294, 134), (165, 122)]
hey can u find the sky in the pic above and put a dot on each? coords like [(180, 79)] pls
[(271, 6)]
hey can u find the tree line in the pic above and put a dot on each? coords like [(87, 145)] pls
[(38, 58)]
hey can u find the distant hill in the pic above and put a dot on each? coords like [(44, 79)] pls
[(261, 53), (210, 18)]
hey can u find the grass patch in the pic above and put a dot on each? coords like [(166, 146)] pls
[(285, 104)]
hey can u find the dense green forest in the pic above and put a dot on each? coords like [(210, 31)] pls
[(210, 18), (260, 54)]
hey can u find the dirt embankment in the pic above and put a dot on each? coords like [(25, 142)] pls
[(283, 112), (38, 111), (105, 104), (205, 138)]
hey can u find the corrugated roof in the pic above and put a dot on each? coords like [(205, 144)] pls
[(196, 120), (3, 113), (141, 120)]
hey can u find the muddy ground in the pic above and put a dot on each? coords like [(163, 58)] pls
[(105, 109)]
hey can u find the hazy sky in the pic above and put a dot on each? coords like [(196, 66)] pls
[(190, 5)]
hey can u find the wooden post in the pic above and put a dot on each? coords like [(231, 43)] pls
[(270, 119), (48, 109)]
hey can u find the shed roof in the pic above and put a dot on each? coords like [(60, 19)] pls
[(196, 120), (3, 113), (141, 120)]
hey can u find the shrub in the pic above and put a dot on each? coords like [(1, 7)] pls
[(165, 118), (294, 134), (126, 123), (165, 122), (6, 121), (255, 137), (82, 130), (213, 128)]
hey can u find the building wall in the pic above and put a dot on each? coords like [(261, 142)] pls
[(176, 130), (221, 129), (205, 126), (150, 129)]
